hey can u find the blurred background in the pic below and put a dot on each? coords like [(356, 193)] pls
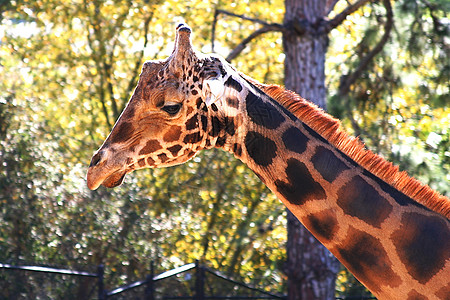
[(68, 68)]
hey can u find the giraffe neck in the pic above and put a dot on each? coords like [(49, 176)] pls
[(391, 243)]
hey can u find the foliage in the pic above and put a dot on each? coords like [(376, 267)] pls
[(400, 104), (67, 70)]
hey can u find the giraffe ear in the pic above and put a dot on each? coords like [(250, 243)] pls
[(214, 90)]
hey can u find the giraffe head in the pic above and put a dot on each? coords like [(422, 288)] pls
[(177, 109)]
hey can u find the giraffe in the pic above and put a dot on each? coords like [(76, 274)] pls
[(389, 230)]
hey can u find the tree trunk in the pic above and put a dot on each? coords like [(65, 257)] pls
[(305, 45), (311, 269)]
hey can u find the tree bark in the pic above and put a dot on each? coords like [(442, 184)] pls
[(311, 269), (305, 44)]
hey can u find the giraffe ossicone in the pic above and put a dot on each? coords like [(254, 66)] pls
[(389, 230)]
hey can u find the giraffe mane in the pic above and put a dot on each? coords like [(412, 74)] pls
[(332, 130)]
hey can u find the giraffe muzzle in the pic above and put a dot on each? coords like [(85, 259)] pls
[(104, 172)]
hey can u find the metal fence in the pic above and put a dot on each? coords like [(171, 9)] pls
[(151, 289), (199, 282)]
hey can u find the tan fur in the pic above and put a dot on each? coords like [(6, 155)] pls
[(331, 129)]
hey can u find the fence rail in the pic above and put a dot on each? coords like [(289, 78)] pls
[(151, 278), (41, 269), (223, 277), (48, 270)]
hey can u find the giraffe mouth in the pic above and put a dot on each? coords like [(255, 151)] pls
[(115, 179), (96, 177), (109, 173)]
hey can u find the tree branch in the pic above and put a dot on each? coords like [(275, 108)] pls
[(239, 48), (213, 30), (349, 80), (267, 27), (338, 19), (329, 6), (220, 11), (108, 65), (138, 60), (96, 56)]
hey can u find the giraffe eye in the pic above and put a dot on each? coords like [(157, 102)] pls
[(172, 109)]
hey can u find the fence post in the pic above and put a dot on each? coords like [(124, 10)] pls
[(150, 289), (199, 281), (101, 287)]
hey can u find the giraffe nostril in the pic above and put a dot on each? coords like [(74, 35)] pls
[(96, 159)]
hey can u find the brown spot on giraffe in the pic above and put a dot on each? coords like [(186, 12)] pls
[(263, 113), (192, 123), (301, 186), (261, 149), (216, 126), (175, 149), (231, 82), (328, 164), (359, 199), (150, 161), (415, 295), (323, 224), (173, 134), (294, 140), (423, 243), (192, 138), (142, 162), (150, 147), (163, 157), (233, 102), (122, 134), (237, 149), (229, 126), (444, 292), (364, 255)]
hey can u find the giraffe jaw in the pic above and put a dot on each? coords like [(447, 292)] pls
[(114, 179), (107, 179)]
